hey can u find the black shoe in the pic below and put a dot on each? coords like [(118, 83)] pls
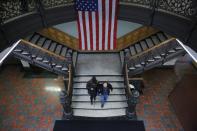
[(91, 103), (102, 105)]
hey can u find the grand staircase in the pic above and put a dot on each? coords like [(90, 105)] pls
[(117, 104), (78, 68)]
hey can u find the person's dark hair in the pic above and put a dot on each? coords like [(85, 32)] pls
[(94, 79)]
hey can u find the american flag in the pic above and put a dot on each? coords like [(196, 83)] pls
[(97, 24)]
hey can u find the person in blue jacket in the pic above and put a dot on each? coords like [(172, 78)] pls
[(105, 91)]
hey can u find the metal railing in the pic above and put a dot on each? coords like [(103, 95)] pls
[(132, 98), (5, 53), (150, 49), (14, 8), (126, 82), (27, 43), (34, 51), (10, 9), (70, 81), (183, 8), (67, 95), (130, 111)]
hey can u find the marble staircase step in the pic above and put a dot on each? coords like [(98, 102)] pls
[(85, 92), (99, 113), (114, 85), (99, 78), (97, 105), (111, 98)]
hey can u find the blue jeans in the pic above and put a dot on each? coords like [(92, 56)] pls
[(103, 99)]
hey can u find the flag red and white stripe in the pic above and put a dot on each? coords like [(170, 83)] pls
[(98, 29)]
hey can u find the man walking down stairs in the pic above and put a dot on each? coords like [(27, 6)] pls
[(106, 67)]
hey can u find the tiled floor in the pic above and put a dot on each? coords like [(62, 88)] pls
[(28, 103), (154, 107), (32, 104)]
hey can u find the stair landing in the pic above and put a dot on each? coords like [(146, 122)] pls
[(99, 64)]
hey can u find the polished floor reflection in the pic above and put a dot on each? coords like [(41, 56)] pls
[(28, 103), (154, 107), (33, 103)]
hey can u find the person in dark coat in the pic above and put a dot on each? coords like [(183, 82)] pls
[(99, 87), (92, 88), (105, 91)]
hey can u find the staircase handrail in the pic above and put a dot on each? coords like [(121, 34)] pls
[(43, 50), (5, 53), (150, 49), (126, 79), (68, 96), (70, 81), (131, 101)]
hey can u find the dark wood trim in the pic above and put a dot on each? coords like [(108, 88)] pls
[(135, 36), (152, 48), (70, 78), (42, 49), (127, 88), (60, 37), (123, 42)]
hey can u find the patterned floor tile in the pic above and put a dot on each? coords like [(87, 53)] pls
[(32, 104)]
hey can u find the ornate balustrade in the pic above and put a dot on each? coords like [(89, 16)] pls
[(151, 49), (126, 82), (10, 9), (183, 8), (42, 57), (31, 46)]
